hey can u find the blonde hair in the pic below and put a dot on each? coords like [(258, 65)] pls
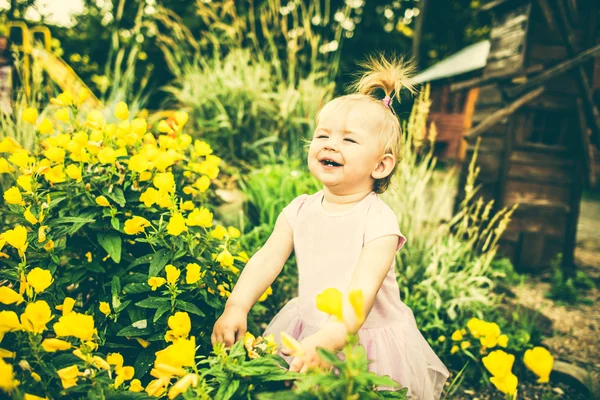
[(387, 75)]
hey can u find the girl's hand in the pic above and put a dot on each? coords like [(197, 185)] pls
[(311, 358), (230, 327)]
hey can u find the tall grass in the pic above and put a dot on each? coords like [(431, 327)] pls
[(445, 268), (255, 78)]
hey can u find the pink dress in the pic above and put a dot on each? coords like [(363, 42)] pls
[(327, 246)]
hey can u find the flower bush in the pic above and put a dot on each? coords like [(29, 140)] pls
[(111, 215), (484, 343)]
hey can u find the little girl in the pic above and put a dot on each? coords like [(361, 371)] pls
[(344, 236)]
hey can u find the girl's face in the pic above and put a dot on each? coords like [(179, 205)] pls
[(345, 149)]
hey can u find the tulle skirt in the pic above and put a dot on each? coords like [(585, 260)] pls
[(397, 350)]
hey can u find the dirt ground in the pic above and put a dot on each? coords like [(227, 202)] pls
[(576, 328)]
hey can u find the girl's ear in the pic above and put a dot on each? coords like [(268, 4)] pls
[(385, 166)]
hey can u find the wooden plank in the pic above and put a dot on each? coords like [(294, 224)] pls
[(485, 80), (587, 151), (547, 13), (540, 158), (551, 101), (507, 46), (546, 54), (536, 194), (555, 71), (543, 174), (504, 66), (509, 138), (531, 250), (483, 112), (502, 113)]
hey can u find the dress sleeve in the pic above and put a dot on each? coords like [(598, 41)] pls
[(291, 210), (382, 221)]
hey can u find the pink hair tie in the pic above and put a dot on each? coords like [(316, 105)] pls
[(387, 101)]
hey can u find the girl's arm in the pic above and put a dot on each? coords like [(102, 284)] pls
[(373, 265), (263, 267)]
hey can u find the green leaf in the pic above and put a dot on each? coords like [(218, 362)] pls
[(160, 311), (95, 267), (116, 195), (115, 224), (152, 302), (329, 357), (72, 220), (227, 391), (115, 290), (189, 307), (111, 242), (135, 288), (140, 327), (160, 259), (143, 362), (122, 306)]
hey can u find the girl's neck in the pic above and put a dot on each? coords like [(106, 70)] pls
[(342, 201)]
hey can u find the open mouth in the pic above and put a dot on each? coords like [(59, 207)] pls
[(330, 163)]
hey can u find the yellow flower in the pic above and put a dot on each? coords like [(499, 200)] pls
[(115, 359), (292, 344), (36, 377), (73, 172), (180, 324), (135, 386), (20, 158), (503, 341), (82, 96), (17, 238), (39, 279), (149, 197), (454, 349), (465, 345), (36, 316), (52, 345), (29, 216), (540, 361), (62, 115), (266, 294), (187, 205), (7, 378), (234, 233), (30, 115), (9, 321), (104, 308), (176, 225), (4, 167), (164, 181), (157, 387), (507, 384), (102, 201), (88, 256), (218, 232), (55, 154), (442, 339), (68, 376), (181, 118), (192, 274), (182, 385), (180, 354), (498, 363), (95, 120), (49, 245), (13, 196), (202, 183), (121, 110), (64, 99), (330, 301), (457, 336), (107, 155), (200, 217), (67, 305), (100, 363), (123, 374), (75, 324), (163, 127), (55, 175), (357, 302), (139, 163), (135, 225), (488, 341), (172, 274), (9, 296), (202, 148), (138, 126), (45, 126), (25, 182), (42, 233), (32, 396), (156, 282), (225, 258)]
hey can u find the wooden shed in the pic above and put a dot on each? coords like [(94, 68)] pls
[(533, 107)]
